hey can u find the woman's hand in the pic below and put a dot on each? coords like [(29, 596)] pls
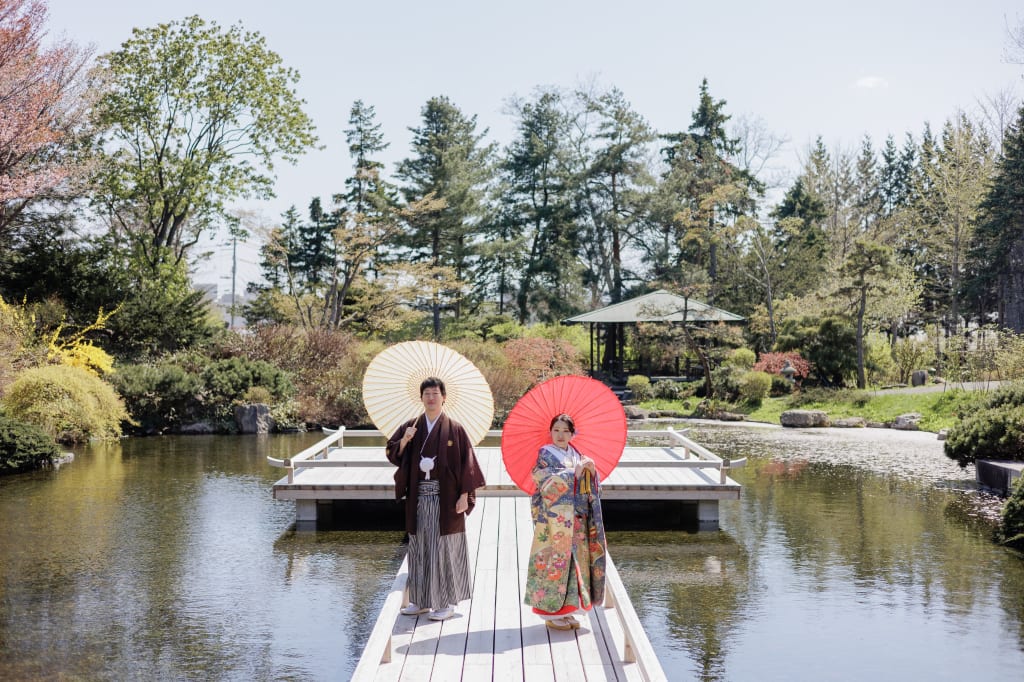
[(462, 504), (588, 464)]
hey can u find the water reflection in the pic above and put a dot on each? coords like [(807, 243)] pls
[(850, 556), (848, 564), (167, 559)]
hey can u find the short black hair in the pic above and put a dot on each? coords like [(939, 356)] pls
[(565, 419), (433, 382)]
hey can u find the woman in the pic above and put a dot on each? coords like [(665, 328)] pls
[(567, 558), (438, 475)]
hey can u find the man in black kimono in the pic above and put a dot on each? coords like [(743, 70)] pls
[(438, 475)]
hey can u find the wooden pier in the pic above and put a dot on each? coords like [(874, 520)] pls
[(494, 635), (682, 471)]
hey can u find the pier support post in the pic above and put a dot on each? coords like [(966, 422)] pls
[(707, 514), (305, 513)]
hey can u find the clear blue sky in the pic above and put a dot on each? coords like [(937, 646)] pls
[(838, 70)]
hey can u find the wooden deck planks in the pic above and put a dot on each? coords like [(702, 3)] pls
[(495, 636)]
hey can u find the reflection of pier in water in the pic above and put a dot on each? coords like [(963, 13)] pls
[(496, 635)]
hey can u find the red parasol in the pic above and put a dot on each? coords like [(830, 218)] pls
[(598, 415)]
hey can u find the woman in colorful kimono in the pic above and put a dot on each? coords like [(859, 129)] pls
[(566, 572)]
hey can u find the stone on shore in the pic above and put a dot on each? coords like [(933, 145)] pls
[(253, 418), (907, 422), (804, 418)]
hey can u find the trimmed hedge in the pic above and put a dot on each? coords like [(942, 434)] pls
[(1013, 517), (24, 447)]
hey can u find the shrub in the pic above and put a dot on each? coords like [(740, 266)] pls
[(640, 385), (24, 447), (741, 357), (257, 394), (909, 355), (992, 433), (772, 363), (1012, 531), (725, 381), (159, 396), (68, 403), (228, 380), (667, 389), (780, 385), (754, 386), (539, 358)]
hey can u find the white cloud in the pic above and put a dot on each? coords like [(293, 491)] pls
[(871, 83)]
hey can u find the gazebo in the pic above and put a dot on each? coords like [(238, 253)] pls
[(657, 306)]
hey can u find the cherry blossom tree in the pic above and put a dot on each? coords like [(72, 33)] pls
[(40, 106)]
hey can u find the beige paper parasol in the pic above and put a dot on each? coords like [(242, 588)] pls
[(391, 387)]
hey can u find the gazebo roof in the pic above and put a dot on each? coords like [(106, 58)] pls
[(657, 306)]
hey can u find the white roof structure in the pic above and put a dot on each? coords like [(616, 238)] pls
[(657, 306)]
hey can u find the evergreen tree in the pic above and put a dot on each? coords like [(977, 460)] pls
[(996, 279), (538, 214), (452, 164)]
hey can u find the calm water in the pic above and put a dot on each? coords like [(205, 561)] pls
[(853, 555)]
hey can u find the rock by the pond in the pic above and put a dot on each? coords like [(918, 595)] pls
[(907, 422), (253, 418), (919, 377), (850, 423), (942, 434), (804, 418), (197, 429), (634, 412), (731, 416)]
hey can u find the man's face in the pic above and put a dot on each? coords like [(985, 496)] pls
[(432, 399)]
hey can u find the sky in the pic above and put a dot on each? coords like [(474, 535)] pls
[(802, 69)]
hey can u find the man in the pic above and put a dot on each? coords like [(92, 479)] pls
[(438, 475)]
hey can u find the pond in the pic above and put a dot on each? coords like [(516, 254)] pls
[(851, 555)]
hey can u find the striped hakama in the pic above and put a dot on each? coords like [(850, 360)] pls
[(439, 572)]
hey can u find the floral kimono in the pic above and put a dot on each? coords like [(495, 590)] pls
[(567, 557)]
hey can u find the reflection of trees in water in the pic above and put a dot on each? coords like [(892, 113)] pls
[(359, 565), (699, 582)]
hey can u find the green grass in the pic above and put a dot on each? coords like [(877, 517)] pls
[(938, 410)]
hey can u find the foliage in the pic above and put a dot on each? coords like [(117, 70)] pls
[(257, 394), (754, 387), (666, 389), (991, 433), (24, 447), (20, 346), (160, 396), (68, 403), (726, 382), (76, 350), (772, 363), (160, 314), (910, 355), (744, 358), (539, 358), (226, 381), (830, 344), (38, 83), (225, 108), (879, 366), (1012, 530), (640, 386)]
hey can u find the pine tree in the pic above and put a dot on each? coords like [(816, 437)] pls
[(996, 279), (450, 163)]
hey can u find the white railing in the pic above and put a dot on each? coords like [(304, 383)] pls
[(693, 455), (636, 647)]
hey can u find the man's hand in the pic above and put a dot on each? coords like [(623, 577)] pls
[(462, 504)]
